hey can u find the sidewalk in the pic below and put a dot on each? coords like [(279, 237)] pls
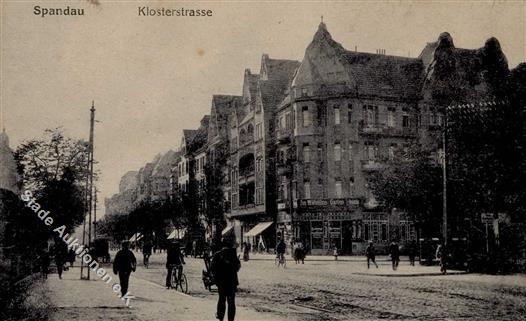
[(92, 300)]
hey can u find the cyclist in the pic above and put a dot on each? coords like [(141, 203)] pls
[(174, 258), (280, 250), (146, 252)]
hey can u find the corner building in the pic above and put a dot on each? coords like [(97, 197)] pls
[(345, 115)]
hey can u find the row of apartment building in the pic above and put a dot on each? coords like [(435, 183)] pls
[(303, 138)]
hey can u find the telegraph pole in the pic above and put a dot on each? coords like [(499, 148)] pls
[(444, 179), (89, 190)]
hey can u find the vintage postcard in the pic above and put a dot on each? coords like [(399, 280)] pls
[(262, 160)]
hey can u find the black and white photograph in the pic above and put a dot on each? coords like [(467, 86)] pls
[(262, 160)]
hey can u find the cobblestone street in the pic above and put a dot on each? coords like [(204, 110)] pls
[(345, 290)]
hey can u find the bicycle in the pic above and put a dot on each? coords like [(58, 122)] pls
[(281, 260), (178, 279)]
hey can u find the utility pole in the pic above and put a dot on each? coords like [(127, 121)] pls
[(444, 179), (89, 191)]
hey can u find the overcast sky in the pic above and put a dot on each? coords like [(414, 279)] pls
[(151, 77)]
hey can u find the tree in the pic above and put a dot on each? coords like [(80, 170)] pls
[(213, 193), (412, 183), (54, 168)]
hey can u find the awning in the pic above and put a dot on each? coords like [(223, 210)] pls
[(227, 229), (135, 237), (177, 233), (258, 229)]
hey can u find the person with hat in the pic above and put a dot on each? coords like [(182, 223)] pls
[(225, 265), (174, 258), (123, 264)]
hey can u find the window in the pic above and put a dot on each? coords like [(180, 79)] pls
[(370, 114), (349, 113), (336, 115), (320, 152), (304, 92), (307, 120), (259, 131), (350, 152), (370, 151), (306, 189), (440, 120), (351, 187), (338, 189), (391, 152), (391, 117), (337, 152), (306, 153), (405, 119), (384, 232)]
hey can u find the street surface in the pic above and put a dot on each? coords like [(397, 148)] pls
[(319, 290), (346, 290)]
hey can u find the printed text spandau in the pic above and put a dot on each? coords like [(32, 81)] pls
[(168, 12)]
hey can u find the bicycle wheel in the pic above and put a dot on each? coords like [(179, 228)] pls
[(183, 283), (173, 279)]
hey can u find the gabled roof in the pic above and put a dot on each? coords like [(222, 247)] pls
[(458, 75), (364, 73), (165, 163), (376, 74), (222, 107)]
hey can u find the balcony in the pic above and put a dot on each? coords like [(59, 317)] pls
[(284, 135), (380, 129), (370, 165)]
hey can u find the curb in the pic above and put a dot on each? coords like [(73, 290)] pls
[(413, 274)]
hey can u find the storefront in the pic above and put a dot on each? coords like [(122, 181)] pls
[(323, 224)]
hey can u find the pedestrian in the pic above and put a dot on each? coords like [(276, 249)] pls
[(194, 249), (174, 258), (44, 263), (71, 257), (225, 265), (146, 253), (411, 251), (394, 251), (335, 252), (441, 256), (299, 255), (370, 253), (280, 250), (246, 252), (61, 253), (123, 264)]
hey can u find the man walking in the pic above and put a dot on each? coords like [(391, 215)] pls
[(395, 254), (412, 252), (123, 264), (225, 265), (370, 253)]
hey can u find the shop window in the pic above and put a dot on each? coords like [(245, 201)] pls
[(384, 232)]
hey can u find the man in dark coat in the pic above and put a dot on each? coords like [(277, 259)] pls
[(123, 264), (370, 253), (394, 250), (174, 257), (225, 265), (61, 253)]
